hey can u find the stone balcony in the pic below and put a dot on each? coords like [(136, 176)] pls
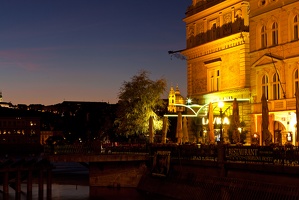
[(276, 105)]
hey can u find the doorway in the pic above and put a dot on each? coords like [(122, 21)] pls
[(278, 128)]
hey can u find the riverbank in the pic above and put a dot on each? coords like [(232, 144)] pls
[(73, 175)]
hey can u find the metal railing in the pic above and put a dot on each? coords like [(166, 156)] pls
[(91, 148), (277, 155)]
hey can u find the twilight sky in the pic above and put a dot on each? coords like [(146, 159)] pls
[(83, 50)]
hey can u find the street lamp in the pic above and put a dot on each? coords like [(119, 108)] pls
[(220, 105), (189, 101)]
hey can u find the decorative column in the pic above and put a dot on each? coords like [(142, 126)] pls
[(221, 23), (233, 14), (245, 8)]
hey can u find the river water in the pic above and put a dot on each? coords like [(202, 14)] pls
[(79, 192), (70, 182)]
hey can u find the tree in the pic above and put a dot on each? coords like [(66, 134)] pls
[(138, 100)]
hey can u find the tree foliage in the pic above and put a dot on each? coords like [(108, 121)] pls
[(139, 99)]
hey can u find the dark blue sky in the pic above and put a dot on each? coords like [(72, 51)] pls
[(83, 50)]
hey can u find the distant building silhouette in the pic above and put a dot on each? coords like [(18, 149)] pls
[(19, 127)]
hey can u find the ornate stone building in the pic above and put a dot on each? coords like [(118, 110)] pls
[(218, 62), (223, 64), (274, 60), (174, 98)]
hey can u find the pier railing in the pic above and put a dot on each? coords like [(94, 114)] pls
[(278, 155), (94, 148)]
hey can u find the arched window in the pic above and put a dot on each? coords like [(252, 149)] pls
[(265, 82), (276, 87), (296, 31), (296, 81), (274, 34), (263, 37)]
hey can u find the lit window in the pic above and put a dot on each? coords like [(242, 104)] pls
[(263, 37), (296, 24), (214, 80), (265, 82), (218, 80), (296, 81), (274, 34), (276, 87)]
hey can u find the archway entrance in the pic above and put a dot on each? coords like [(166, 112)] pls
[(279, 129)]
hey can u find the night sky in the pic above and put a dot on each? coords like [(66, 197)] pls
[(83, 50)]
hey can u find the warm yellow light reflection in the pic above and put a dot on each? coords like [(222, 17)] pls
[(220, 104)]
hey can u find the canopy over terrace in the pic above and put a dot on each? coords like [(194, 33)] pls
[(195, 110), (201, 111)]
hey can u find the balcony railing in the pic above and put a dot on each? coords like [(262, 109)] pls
[(276, 105), (201, 6)]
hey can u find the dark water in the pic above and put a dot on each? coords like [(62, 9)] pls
[(59, 192), (70, 182), (79, 192)]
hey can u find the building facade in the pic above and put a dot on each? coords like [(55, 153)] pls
[(19, 130), (274, 60), (218, 65), (226, 59)]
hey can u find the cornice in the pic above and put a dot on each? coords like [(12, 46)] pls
[(229, 91), (210, 7)]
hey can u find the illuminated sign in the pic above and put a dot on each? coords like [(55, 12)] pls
[(249, 154), (217, 120)]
